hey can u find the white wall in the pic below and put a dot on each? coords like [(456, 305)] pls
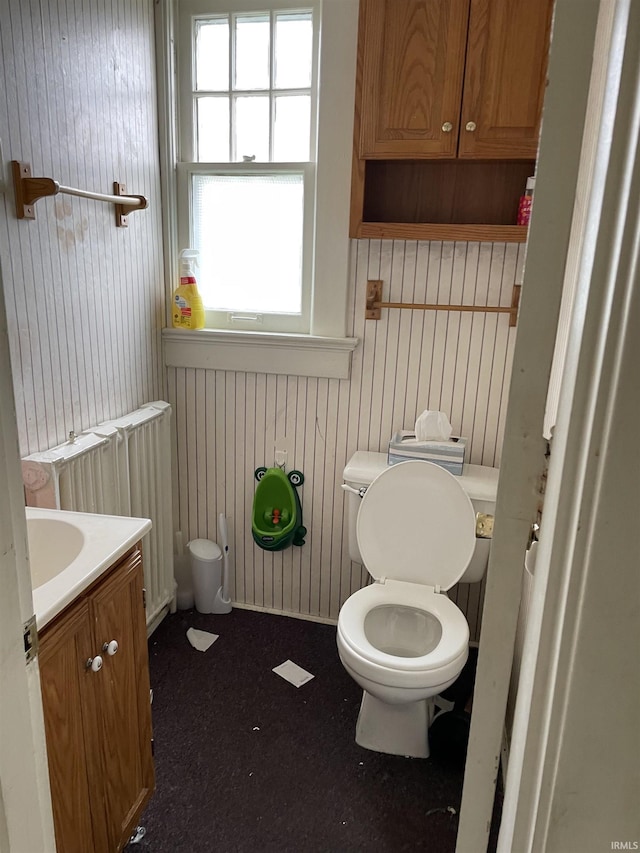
[(227, 423), (84, 298)]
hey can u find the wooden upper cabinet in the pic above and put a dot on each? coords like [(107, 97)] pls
[(504, 79), (411, 58)]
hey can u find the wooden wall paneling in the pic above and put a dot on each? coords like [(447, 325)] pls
[(459, 356), (184, 484), (242, 527), (192, 451), (436, 367), (311, 450), (380, 349), (260, 459), (328, 492), (198, 427), (338, 560), (390, 342), (474, 360), (83, 300), (496, 385), (453, 323), (362, 353), (303, 462), (279, 566), (318, 414), (369, 336), (232, 482), (236, 514), (399, 379)]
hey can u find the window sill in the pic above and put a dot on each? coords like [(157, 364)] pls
[(259, 352)]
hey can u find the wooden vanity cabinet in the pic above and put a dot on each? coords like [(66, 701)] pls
[(448, 104), (98, 723)]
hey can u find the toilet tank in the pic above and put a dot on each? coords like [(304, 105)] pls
[(479, 481)]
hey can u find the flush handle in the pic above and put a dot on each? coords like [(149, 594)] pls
[(359, 492)]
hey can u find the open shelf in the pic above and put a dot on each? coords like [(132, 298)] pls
[(440, 199)]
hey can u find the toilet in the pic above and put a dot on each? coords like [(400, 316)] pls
[(413, 526)]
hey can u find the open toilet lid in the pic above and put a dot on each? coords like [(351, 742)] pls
[(416, 524)]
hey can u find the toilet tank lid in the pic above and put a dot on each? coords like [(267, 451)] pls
[(364, 466), (480, 482)]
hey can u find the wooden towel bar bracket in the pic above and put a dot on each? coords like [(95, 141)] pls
[(28, 190), (375, 304)]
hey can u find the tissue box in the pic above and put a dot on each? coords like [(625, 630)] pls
[(448, 454)]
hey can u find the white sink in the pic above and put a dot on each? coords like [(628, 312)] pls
[(70, 550), (53, 545)]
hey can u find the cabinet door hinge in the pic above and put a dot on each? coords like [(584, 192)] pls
[(144, 598), (30, 636)]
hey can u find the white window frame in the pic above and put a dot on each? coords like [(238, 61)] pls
[(325, 350)]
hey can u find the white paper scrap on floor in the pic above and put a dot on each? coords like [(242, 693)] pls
[(201, 640), (293, 673)]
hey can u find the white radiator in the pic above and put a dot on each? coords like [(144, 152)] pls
[(120, 467)]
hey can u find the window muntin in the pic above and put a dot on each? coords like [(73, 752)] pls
[(250, 72)]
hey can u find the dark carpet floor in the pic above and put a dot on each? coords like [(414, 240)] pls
[(247, 762)]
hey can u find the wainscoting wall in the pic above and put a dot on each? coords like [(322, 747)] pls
[(84, 299), (227, 423)]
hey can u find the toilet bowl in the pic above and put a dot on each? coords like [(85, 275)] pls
[(401, 638)]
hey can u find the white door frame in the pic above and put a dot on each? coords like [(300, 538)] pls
[(578, 27), (26, 822), (574, 772)]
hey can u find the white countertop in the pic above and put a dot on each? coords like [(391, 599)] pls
[(94, 545)]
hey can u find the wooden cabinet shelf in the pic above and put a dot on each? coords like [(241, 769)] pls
[(448, 103), (429, 231)]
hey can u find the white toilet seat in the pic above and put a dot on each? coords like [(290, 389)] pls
[(437, 666)]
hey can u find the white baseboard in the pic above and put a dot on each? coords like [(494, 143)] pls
[(304, 616)]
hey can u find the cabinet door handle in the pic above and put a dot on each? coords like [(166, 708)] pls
[(110, 648), (94, 664), (447, 127), (470, 125)]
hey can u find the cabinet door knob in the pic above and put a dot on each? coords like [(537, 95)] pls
[(110, 648), (94, 664), (470, 125), (447, 127)]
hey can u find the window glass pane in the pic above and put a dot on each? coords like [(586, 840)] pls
[(252, 52), (212, 55), (291, 128), (293, 51), (252, 128), (248, 230), (213, 130)]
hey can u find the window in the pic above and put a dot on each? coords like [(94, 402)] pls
[(256, 120), (247, 133)]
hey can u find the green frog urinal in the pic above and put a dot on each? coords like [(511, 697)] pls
[(277, 513)]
